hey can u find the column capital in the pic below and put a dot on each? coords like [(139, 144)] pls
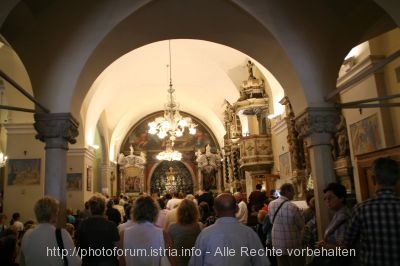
[(56, 129), (316, 120)]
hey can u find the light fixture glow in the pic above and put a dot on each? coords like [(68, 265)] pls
[(169, 154), (172, 123), (3, 160)]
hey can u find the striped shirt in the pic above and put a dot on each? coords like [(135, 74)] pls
[(376, 222)]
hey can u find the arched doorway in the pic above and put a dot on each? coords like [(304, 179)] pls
[(171, 176)]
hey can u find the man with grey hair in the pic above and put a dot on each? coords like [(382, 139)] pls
[(287, 226), (39, 245), (242, 212), (375, 222), (227, 242)]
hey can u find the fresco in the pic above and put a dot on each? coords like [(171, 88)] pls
[(142, 141)]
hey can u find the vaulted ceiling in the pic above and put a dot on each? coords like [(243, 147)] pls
[(105, 61)]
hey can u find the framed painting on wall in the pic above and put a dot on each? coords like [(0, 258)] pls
[(365, 135), (132, 179), (89, 175), (23, 172), (74, 181), (285, 165)]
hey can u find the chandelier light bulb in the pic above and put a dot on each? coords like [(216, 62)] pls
[(192, 130), (161, 134), (3, 159), (182, 123), (179, 133), (169, 154)]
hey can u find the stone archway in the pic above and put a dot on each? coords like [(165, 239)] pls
[(171, 176)]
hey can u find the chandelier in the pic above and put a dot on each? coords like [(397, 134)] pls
[(169, 154), (3, 160), (172, 123)]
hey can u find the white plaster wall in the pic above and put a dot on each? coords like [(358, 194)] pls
[(21, 198), (11, 65), (365, 89), (75, 164), (386, 45)]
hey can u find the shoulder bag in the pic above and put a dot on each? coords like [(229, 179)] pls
[(61, 244)]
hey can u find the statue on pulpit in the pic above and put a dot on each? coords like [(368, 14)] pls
[(250, 66), (252, 87)]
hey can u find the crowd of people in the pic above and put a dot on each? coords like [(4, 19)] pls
[(224, 229)]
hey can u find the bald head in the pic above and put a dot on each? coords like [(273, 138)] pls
[(225, 205)]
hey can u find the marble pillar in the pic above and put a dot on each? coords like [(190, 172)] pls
[(56, 131), (316, 126)]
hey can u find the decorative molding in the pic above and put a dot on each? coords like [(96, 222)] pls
[(56, 130), (364, 64), (19, 128), (82, 152), (317, 120), (279, 127)]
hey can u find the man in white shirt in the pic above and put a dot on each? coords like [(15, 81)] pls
[(242, 213), (227, 242), (174, 202)]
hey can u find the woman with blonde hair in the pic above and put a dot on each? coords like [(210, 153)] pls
[(37, 242), (185, 231)]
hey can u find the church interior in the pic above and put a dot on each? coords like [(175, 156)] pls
[(157, 96)]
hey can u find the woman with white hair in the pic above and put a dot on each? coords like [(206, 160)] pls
[(147, 244), (39, 245)]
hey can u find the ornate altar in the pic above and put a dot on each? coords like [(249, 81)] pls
[(171, 176), (131, 170)]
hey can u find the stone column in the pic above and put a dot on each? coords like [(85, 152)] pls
[(316, 126), (56, 131)]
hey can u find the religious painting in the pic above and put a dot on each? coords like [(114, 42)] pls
[(365, 135), (23, 172), (285, 165), (89, 177), (74, 181), (132, 179), (187, 144)]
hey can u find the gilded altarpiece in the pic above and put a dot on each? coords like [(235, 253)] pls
[(171, 176), (143, 143)]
